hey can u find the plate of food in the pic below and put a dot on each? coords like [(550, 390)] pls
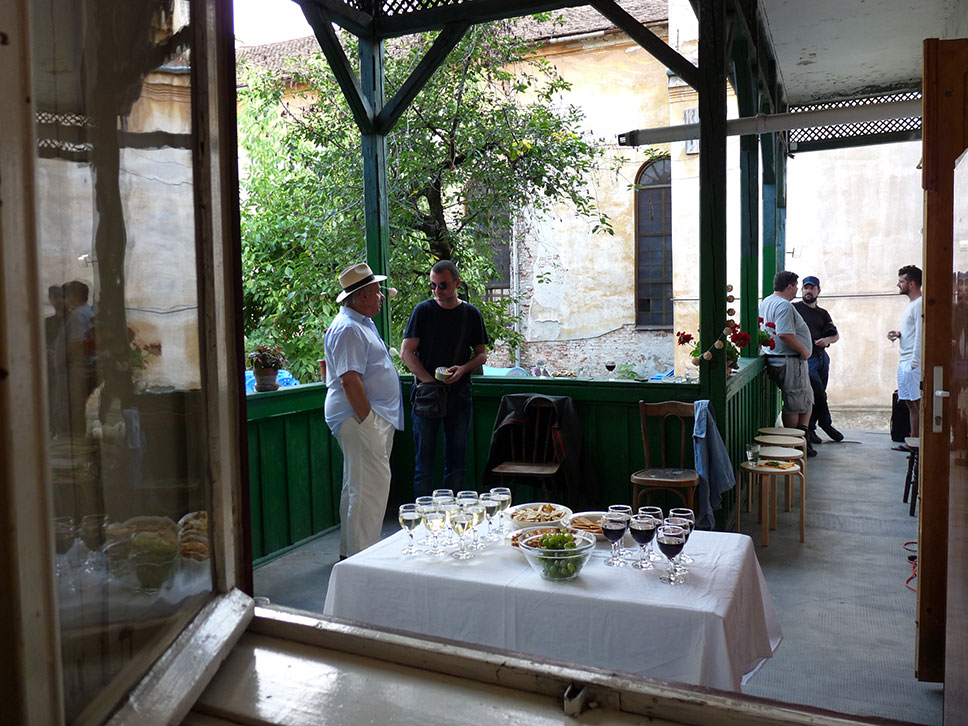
[(773, 464), (590, 522), (515, 537), (532, 513)]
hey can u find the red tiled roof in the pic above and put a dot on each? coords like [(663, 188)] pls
[(571, 21)]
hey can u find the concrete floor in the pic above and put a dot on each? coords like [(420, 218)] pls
[(848, 619)]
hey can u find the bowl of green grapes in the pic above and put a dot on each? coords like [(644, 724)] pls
[(558, 556)]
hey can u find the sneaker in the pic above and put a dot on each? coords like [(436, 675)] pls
[(833, 433), (812, 437)]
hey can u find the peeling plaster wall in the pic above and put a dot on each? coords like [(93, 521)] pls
[(855, 217), (578, 288)]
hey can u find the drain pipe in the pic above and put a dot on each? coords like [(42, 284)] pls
[(515, 292), (768, 123)]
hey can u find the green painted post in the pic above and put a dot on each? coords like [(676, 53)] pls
[(374, 174), (712, 201), (769, 238), (749, 241), (781, 209)]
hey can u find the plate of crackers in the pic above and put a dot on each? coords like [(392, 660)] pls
[(532, 513), (590, 522)]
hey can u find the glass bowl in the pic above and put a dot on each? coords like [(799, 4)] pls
[(558, 565)]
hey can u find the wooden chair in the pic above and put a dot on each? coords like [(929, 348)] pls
[(677, 479), (532, 448)]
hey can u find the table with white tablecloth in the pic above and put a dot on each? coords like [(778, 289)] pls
[(715, 630)]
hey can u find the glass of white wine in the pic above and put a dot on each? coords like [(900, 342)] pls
[(434, 520), (424, 503), (409, 519), (491, 506), (461, 522), (503, 495), (476, 509)]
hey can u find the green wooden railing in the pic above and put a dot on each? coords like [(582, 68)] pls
[(295, 465)]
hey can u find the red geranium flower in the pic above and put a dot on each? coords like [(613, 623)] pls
[(771, 325)]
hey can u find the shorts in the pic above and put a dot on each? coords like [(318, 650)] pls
[(908, 382), (793, 380)]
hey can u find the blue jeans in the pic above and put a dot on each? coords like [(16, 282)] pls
[(457, 425), (819, 365)]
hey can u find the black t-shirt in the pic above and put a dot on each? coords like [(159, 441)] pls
[(818, 320), (447, 337)]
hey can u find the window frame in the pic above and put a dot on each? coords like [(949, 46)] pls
[(29, 619), (637, 237)]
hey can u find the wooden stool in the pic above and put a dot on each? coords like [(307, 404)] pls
[(911, 480), (783, 453), (781, 431), (797, 442), (765, 476)]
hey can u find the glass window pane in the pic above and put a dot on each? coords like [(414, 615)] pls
[(117, 235)]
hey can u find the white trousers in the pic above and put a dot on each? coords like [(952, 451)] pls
[(366, 481)]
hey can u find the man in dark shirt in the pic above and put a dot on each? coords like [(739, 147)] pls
[(444, 332), (824, 334)]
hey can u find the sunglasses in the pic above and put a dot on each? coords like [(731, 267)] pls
[(442, 286)]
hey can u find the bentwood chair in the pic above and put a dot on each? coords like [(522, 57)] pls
[(531, 449), (666, 471)]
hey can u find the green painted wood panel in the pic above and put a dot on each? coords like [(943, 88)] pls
[(275, 490), (298, 477), (255, 494)]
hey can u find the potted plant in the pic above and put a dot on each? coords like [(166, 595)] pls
[(265, 361)]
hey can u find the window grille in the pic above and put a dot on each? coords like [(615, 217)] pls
[(884, 130)]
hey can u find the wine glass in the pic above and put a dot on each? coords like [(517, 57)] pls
[(624, 552), (671, 540), (610, 367), (656, 513), (687, 527), (614, 525), (753, 453), (491, 505), (474, 508), (689, 515), (424, 503), (65, 533), (642, 527), (461, 521), (503, 495), (434, 520), (450, 507), (438, 493), (92, 533), (409, 519)]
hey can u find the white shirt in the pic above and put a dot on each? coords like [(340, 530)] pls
[(353, 344), (778, 310), (910, 345)]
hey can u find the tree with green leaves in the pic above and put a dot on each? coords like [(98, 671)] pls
[(487, 140)]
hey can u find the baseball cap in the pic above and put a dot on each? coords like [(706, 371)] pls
[(811, 280)]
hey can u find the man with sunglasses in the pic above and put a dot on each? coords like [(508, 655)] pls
[(444, 332)]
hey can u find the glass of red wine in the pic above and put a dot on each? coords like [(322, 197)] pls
[(671, 539), (624, 552), (614, 525), (656, 513), (610, 367), (691, 516), (687, 526), (642, 527)]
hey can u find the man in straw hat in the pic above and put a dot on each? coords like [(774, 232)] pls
[(363, 407)]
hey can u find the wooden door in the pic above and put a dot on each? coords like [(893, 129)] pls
[(956, 662), (945, 137)]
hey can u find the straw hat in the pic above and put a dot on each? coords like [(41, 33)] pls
[(354, 277)]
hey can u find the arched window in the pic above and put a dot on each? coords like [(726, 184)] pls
[(653, 245)]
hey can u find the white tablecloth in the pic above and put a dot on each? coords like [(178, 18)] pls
[(714, 630)]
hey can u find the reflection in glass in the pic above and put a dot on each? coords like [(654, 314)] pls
[(112, 86)]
